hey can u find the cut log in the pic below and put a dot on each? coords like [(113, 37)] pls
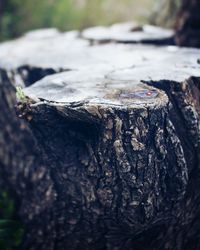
[(122, 147), (129, 33), (18, 149), (46, 51), (111, 158)]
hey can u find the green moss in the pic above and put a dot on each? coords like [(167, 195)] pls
[(20, 95), (11, 230)]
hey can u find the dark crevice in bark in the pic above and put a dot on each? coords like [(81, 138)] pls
[(184, 99), (26, 75), (164, 42), (33, 74), (184, 113)]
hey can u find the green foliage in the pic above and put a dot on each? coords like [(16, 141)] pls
[(20, 94), (19, 16), (11, 230)]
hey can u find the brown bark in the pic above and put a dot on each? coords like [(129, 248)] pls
[(188, 24), (128, 176)]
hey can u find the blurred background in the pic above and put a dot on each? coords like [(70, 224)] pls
[(19, 16)]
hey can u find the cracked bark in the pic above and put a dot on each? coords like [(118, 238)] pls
[(18, 147), (123, 169), (110, 159)]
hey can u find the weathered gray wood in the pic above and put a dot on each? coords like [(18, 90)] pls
[(114, 155), (129, 33), (35, 50)]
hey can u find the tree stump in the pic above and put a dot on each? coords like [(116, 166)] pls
[(122, 147), (188, 24), (18, 147), (18, 68), (129, 33), (113, 144)]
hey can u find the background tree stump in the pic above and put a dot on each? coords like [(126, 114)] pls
[(113, 143), (129, 33), (188, 24)]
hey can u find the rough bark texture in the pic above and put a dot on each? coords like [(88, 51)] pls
[(19, 157), (120, 152), (188, 24), (111, 159)]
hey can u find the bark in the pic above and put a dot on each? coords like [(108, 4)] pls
[(121, 171), (22, 169), (188, 24), (111, 153)]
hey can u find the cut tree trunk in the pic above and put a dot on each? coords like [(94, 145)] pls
[(23, 62), (18, 149), (110, 159), (188, 24), (122, 152)]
